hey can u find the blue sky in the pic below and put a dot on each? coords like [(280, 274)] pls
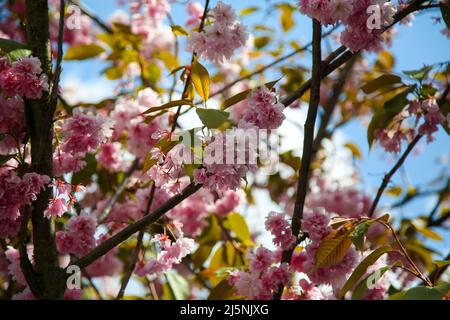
[(413, 47)]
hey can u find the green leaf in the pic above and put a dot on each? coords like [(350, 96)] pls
[(222, 291), (383, 116), (423, 293), (14, 50), (179, 30), (397, 103), (239, 226), (441, 263), (212, 118), (445, 10), (385, 80), (418, 74), (200, 79), (201, 255), (358, 234), (286, 15), (82, 52), (178, 285), (223, 257), (261, 42), (362, 287), (361, 269)]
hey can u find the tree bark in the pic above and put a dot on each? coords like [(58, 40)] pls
[(39, 115)]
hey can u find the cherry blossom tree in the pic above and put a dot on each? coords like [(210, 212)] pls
[(127, 191)]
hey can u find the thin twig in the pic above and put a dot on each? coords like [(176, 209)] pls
[(137, 249), (388, 176), (55, 87), (118, 192), (308, 141), (188, 79)]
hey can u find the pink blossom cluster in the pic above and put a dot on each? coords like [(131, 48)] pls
[(147, 21), (12, 123), (127, 117), (10, 24), (391, 139), (81, 133), (168, 171), (264, 110), (218, 40), (170, 252), (355, 15), (110, 157), (22, 78), (14, 268), (428, 110), (277, 224), (264, 277), (315, 223), (69, 294), (107, 265), (193, 211), (64, 198), (78, 239), (225, 163), (432, 118), (79, 29), (344, 201), (15, 193), (156, 9), (195, 11)]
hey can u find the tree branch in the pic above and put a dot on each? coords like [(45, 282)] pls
[(388, 176), (127, 232), (344, 55)]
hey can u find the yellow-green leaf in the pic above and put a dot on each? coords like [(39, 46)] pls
[(200, 79), (239, 226), (179, 30), (394, 191), (332, 250), (426, 231), (171, 104), (354, 149), (247, 11), (222, 291), (361, 269), (286, 15), (82, 52), (383, 81), (170, 61)]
